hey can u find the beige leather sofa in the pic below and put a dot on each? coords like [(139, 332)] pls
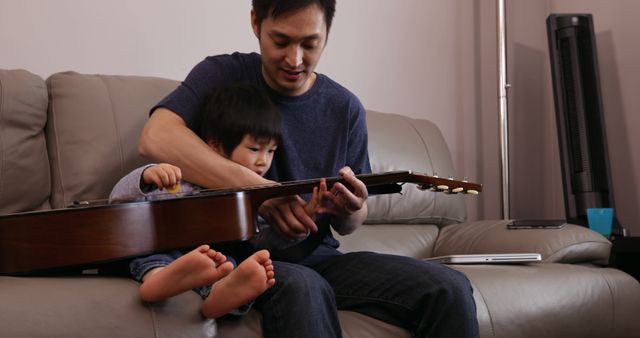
[(74, 136)]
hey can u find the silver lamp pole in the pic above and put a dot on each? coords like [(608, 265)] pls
[(502, 92)]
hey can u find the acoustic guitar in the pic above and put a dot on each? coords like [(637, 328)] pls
[(93, 232)]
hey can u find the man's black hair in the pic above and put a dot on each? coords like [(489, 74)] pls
[(234, 111), (275, 8)]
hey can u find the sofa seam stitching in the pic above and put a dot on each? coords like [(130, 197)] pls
[(428, 154), (156, 329), (56, 140), (115, 124), (475, 287), (2, 164), (613, 306)]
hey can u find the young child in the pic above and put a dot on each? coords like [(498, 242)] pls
[(242, 124)]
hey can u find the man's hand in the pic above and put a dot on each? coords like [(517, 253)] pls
[(348, 207), (316, 205), (292, 217), (288, 217)]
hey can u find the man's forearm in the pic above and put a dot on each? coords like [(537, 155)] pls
[(166, 138)]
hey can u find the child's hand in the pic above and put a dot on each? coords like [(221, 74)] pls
[(163, 175), (316, 205)]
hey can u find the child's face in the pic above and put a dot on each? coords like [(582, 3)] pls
[(254, 155)]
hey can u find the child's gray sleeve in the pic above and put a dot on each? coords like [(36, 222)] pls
[(128, 188)]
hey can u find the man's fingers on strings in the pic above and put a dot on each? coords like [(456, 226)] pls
[(331, 203), (322, 189), (277, 224), (307, 224), (342, 200), (287, 220), (274, 217), (359, 189)]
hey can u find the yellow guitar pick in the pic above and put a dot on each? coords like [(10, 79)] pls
[(175, 189)]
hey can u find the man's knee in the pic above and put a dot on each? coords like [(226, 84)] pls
[(457, 278), (302, 283), (457, 290)]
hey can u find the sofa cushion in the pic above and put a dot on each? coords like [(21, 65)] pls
[(94, 307), (24, 166), (413, 240), (93, 130), (554, 300), (391, 138), (571, 244)]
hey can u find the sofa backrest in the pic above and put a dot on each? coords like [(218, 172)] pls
[(94, 122), (398, 142), (24, 167)]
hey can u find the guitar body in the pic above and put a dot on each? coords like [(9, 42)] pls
[(77, 236), (89, 234)]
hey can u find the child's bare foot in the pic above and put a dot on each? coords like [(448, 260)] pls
[(250, 279), (199, 267)]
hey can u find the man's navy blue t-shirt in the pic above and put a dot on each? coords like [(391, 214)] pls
[(323, 129)]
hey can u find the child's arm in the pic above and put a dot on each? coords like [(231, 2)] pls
[(134, 187), (160, 176)]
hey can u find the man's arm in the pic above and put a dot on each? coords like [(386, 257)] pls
[(166, 138)]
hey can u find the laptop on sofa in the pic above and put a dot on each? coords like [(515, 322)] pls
[(508, 258)]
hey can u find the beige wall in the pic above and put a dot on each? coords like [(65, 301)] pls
[(425, 58), (142, 37)]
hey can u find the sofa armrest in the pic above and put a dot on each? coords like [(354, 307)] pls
[(570, 244)]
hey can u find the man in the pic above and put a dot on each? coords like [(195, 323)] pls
[(324, 133)]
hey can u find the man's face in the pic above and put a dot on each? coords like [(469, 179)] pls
[(291, 46)]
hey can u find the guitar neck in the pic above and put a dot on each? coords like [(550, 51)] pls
[(377, 183)]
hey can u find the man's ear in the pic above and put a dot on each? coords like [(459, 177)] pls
[(254, 24)]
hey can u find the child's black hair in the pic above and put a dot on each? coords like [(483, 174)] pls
[(234, 111)]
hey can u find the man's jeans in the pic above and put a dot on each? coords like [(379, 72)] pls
[(426, 298)]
